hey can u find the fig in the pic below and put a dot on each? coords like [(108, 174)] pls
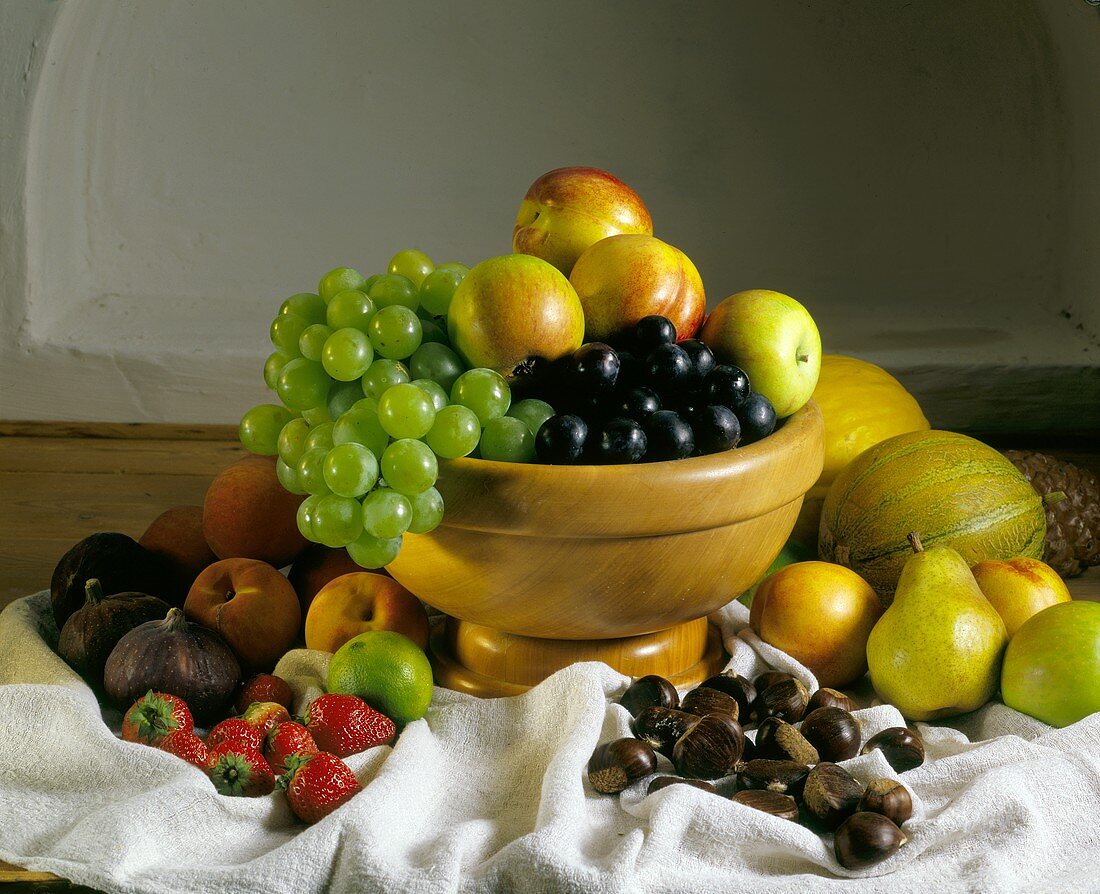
[(174, 656), (95, 629)]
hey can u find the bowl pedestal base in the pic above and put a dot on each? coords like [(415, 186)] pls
[(483, 661)]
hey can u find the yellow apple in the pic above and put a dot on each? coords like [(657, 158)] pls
[(1019, 588)]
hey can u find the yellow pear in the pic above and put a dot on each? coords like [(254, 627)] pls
[(936, 651)]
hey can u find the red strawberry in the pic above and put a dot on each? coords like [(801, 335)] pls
[(265, 716), (236, 770), (345, 724), (287, 739), (154, 716), (316, 784), (238, 732), (264, 688), (184, 743)]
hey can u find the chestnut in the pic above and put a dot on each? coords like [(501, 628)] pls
[(778, 740), (833, 732), (783, 806), (661, 727), (734, 685), (865, 839), (902, 747), (830, 698), (888, 797), (710, 749), (705, 700), (665, 781), (786, 700), (784, 777), (831, 794), (769, 678), (649, 691), (615, 765)]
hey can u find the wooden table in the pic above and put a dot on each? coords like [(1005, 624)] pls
[(61, 481)]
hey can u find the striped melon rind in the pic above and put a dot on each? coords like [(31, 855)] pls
[(950, 489)]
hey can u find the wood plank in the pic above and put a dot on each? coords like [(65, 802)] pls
[(198, 431), (115, 457)]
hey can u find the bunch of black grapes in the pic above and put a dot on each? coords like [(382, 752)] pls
[(648, 399)]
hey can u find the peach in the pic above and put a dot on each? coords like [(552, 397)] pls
[(177, 535), (1019, 588), (247, 514), (252, 606), (362, 601), (316, 567)]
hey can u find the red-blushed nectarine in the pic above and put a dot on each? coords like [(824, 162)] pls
[(177, 535), (316, 567), (1019, 588), (362, 601), (247, 514), (252, 606)]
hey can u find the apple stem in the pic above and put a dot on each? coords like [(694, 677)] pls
[(914, 541), (802, 358)]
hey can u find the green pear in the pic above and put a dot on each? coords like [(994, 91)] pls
[(936, 651)]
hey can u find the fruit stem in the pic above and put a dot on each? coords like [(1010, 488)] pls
[(802, 358), (93, 591), (174, 619), (1055, 496), (914, 541)]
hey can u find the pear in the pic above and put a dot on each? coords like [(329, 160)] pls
[(936, 651)]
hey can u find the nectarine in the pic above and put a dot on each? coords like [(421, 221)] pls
[(362, 601), (177, 535), (316, 567)]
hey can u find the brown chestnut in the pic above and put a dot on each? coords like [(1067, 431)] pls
[(647, 692), (888, 797), (665, 781), (830, 698), (831, 794), (710, 748), (833, 732), (769, 678), (783, 806), (865, 839), (661, 727), (778, 740), (902, 747), (615, 765), (786, 700), (785, 777), (736, 686), (705, 700)]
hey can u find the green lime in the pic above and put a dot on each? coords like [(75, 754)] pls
[(387, 670)]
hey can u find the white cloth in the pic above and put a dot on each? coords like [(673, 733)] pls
[(491, 795)]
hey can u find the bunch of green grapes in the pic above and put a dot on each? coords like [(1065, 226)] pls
[(371, 396)]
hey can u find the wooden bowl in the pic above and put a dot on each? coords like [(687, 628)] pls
[(597, 552)]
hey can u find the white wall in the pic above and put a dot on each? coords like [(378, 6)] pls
[(924, 177)]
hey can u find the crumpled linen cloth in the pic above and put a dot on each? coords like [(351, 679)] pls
[(491, 795)]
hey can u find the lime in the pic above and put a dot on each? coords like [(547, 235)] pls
[(387, 670)]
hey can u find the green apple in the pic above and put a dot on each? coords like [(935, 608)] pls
[(511, 309), (773, 339), (1051, 668)]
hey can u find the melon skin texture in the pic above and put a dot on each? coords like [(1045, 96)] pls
[(949, 488)]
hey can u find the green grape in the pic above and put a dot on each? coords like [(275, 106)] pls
[(260, 427), (383, 374), (286, 329), (317, 415), (434, 390), (432, 333), (305, 516), (507, 440), (273, 365), (370, 552), (366, 403), (337, 521), (386, 513), (350, 309), (303, 384), (320, 436), (292, 441), (337, 280), (311, 472), (392, 288), (411, 263), (427, 511), (455, 432), (406, 411), (350, 470), (369, 282), (288, 478), (308, 306), (483, 391), (438, 363), (342, 397), (347, 354), (312, 339), (438, 288), (360, 425), (532, 413), (395, 332), (409, 466)]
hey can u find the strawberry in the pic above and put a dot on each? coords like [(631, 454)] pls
[(264, 688), (345, 724), (236, 770), (316, 784), (287, 739), (154, 716), (238, 732), (184, 743), (265, 716)]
